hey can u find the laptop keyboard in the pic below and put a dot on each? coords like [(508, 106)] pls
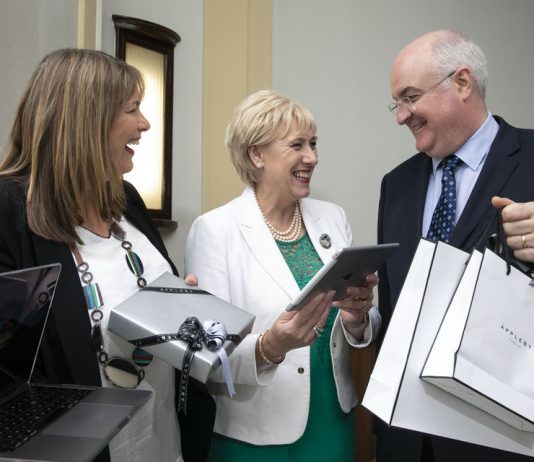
[(30, 411)]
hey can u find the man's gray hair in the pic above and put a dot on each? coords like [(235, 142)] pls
[(453, 49)]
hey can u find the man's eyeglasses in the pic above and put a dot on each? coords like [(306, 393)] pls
[(407, 102)]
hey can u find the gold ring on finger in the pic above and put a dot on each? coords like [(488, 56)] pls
[(317, 330), (524, 241)]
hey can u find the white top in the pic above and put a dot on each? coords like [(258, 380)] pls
[(153, 434)]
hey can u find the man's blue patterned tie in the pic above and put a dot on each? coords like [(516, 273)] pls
[(442, 223)]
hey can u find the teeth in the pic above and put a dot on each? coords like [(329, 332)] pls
[(133, 142), (418, 126), (303, 175)]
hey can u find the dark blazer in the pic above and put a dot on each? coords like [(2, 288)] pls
[(509, 172), (67, 354)]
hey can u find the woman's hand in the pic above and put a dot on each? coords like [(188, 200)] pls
[(518, 224), (296, 329), (191, 280), (354, 308)]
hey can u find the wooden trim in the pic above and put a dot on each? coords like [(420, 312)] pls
[(168, 224), (362, 361), (147, 29)]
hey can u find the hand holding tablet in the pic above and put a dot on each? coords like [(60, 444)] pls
[(348, 267)]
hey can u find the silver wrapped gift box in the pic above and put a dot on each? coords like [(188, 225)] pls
[(158, 311)]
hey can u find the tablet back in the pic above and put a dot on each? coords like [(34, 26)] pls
[(348, 267)]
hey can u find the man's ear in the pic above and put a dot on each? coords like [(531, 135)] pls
[(463, 81)]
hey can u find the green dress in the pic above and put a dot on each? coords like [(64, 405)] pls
[(329, 433)]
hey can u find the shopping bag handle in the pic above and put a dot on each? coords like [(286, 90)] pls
[(496, 241), (499, 246), (502, 249)]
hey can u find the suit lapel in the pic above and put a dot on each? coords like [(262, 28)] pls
[(416, 197), (496, 171), (135, 213), (316, 226), (69, 313), (264, 248), (262, 245)]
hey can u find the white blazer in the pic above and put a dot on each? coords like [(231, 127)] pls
[(235, 257)]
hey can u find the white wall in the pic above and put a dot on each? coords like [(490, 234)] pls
[(185, 17), (28, 30), (334, 57)]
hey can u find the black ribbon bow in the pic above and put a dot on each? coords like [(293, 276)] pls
[(196, 336), (192, 332)]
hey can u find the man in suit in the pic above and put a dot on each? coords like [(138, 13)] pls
[(438, 83)]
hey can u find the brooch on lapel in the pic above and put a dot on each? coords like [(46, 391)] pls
[(325, 241)]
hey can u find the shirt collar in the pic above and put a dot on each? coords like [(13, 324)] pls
[(474, 151)]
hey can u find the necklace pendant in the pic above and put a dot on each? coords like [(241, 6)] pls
[(134, 263), (142, 357), (93, 297)]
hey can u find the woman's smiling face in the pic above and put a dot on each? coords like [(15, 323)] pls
[(288, 164), (126, 129)]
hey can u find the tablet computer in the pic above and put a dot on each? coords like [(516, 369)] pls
[(348, 267)]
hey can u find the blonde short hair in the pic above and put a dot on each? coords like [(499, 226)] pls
[(257, 121)]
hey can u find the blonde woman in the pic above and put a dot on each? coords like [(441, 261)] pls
[(294, 386)]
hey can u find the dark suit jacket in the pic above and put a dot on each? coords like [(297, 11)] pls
[(67, 354), (508, 171)]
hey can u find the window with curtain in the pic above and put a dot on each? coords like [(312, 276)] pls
[(150, 48)]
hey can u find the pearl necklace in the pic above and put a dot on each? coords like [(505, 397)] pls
[(291, 233)]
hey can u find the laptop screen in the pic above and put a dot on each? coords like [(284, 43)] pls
[(25, 299)]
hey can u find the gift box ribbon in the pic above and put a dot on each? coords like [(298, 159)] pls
[(211, 333)]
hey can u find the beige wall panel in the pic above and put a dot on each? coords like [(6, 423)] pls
[(260, 45), (237, 61), (87, 20)]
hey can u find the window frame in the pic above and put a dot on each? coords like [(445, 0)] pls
[(162, 40)]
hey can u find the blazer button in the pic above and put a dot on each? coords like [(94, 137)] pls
[(334, 345), (300, 370)]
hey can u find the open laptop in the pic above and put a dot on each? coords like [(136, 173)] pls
[(75, 431)]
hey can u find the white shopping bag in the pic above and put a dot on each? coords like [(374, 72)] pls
[(385, 381), (483, 351), (397, 394), (432, 279)]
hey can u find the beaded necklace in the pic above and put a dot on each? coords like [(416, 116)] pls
[(119, 371), (290, 234)]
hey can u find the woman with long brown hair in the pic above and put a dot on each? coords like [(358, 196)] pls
[(63, 199)]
